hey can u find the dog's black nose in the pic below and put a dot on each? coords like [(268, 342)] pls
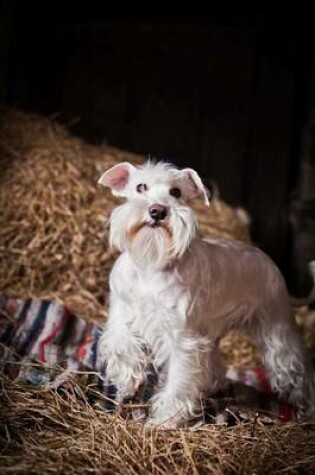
[(157, 212)]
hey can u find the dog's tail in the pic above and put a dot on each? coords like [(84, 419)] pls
[(299, 302)]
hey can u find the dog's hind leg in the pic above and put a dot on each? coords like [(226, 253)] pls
[(286, 362)]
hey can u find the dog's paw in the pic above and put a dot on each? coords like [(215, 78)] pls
[(166, 420), (128, 390), (159, 424)]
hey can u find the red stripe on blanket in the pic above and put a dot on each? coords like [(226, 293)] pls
[(286, 413), (82, 350), (261, 375), (51, 336)]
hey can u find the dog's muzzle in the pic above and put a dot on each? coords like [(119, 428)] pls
[(157, 212)]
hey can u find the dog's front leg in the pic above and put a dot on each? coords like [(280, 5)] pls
[(189, 370), (123, 352)]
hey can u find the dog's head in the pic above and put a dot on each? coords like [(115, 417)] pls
[(156, 224)]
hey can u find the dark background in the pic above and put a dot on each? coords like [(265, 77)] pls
[(228, 91)]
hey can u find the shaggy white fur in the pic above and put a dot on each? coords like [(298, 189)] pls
[(174, 295)]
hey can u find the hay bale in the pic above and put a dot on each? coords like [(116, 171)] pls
[(52, 230)]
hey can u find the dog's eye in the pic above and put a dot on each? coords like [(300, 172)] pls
[(141, 187), (175, 192)]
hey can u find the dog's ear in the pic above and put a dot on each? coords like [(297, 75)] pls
[(196, 187), (117, 178)]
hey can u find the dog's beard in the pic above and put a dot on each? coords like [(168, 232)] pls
[(152, 245), (184, 229)]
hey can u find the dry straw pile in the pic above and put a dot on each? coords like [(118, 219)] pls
[(53, 245), (42, 433)]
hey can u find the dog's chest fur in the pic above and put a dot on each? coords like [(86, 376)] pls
[(154, 298)]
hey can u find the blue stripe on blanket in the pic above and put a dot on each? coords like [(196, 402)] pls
[(94, 348), (8, 333), (36, 328)]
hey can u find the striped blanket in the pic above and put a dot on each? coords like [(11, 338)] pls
[(43, 343)]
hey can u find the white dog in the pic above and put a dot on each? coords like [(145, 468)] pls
[(174, 295)]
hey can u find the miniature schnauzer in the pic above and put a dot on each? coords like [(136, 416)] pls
[(173, 295)]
